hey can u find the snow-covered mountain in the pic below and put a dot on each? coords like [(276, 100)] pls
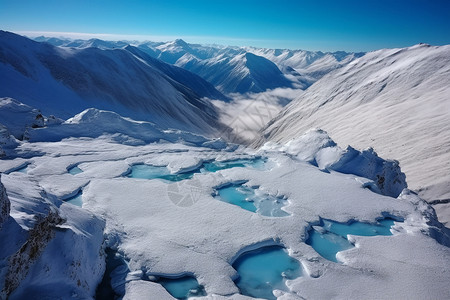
[(97, 205), (64, 81), (242, 73), (395, 100), (236, 69)]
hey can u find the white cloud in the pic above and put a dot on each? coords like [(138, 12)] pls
[(247, 114)]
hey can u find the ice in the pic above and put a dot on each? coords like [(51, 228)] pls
[(161, 236), (252, 200), (23, 169), (153, 172), (331, 237), (74, 170), (183, 287), (76, 200), (264, 270), (144, 171), (237, 195)]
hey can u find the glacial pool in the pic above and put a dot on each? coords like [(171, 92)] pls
[(76, 200), (264, 270), (74, 170), (183, 287), (144, 171), (330, 237), (247, 198)]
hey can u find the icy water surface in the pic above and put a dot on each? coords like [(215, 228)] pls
[(76, 200), (264, 270), (74, 170), (161, 172), (331, 237), (22, 169), (247, 198), (182, 288)]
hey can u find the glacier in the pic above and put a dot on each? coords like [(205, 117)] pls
[(157, 236)]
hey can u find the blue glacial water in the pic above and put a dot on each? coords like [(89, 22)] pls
[(264, 270), (331, 237), (247, 198), (74, 170), (161, 172), (76, 200), (182, 288), (22, 169)]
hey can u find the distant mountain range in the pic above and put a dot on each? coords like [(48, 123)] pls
[(233, 69)]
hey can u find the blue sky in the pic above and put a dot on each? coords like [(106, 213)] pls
[(313, 25)]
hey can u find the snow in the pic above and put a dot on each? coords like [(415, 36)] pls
[(394, 100), (39, 230), (53, 249), (317, 148), (157, 236)]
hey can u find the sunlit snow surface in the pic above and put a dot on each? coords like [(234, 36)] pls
[(159, 236), (264, 270)]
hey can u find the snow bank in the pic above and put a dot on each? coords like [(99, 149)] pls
[(93, 123), (19, 117), (317, 148)]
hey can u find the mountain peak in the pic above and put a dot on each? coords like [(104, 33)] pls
[(180, 43)]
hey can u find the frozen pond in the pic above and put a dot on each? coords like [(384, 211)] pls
[(161, 172), (248, 199), (331, 237), (182, 288), (74, 170), (76, 200), (264, 270)]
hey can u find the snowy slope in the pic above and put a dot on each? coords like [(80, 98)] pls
[(395, 100), (65, 81), (195, 83), (314, 64)]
